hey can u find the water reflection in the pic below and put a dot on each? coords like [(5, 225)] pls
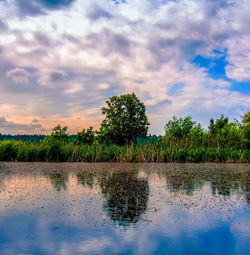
[(222, 181), (58, 179), (186, 180), (167, 209), (248, 187), (126, 195), (85, 178), (225, 182)]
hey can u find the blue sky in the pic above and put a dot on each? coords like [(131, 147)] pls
[(216, 67), (60, 60)]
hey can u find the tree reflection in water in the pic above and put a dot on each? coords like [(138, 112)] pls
[(126, 195), (58, 180), (86, 178), (186, 180), (223, 182)]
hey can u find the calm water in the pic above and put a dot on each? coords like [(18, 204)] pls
[(124, 209)]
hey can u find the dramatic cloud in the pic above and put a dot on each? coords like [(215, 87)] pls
[(10, 127), (61, 60)]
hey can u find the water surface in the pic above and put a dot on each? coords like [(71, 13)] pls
[(80, 208)]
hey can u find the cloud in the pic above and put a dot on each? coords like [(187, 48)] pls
[(3, 26), (39, 7), (74, 88), (42, 39), (98, 13), (77, 54), (104, 86), (52, 76), (9, 127), (18, 75), (35, 121), (109, 43), (95, 245), (239, 59)]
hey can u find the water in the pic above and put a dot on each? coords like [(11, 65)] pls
[(115, 208)]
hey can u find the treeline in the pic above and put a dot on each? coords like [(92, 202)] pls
[(28, 138), (123, 138)]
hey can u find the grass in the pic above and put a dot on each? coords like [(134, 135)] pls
[(56, 151)]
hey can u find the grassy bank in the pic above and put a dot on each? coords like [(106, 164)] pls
[(56, 151), (184, 141)]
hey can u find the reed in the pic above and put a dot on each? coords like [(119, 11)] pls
[(184, 141), (148, 152)]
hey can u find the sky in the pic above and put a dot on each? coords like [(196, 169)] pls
[(60, 60)]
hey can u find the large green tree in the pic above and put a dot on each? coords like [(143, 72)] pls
[(125, 120)]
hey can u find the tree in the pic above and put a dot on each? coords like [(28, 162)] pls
[(85, 137), (246, 128), (179, 128), (125, 120), (222, 133), (219, 124), (60, 133)]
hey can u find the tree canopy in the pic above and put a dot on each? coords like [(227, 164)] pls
[(179, 127), (60, 133), (125, 120), (85, 136)]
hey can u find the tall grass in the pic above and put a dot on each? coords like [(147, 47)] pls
[(149, 152), (184, 141)]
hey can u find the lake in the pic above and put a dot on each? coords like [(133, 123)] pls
[(113, 208)]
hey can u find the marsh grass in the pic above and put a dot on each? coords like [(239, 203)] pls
[(56, 151)]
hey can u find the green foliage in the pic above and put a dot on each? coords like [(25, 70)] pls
[(125, 120), (246, 129), (8, 150), (148, 152), (184, 133), (223, 133), (179, 128), (85, 137), (122, 138), (218, 125), (59, 133)]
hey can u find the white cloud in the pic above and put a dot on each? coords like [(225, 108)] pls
[(95, 245), (138, 46), (239, 59), (104, 86), (74, 88)]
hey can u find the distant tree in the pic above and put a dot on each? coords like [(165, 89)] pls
[(125, 120), (216, 126), (60, 133), (179, 128), (223, 133), (85, 136), (246, 128)]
